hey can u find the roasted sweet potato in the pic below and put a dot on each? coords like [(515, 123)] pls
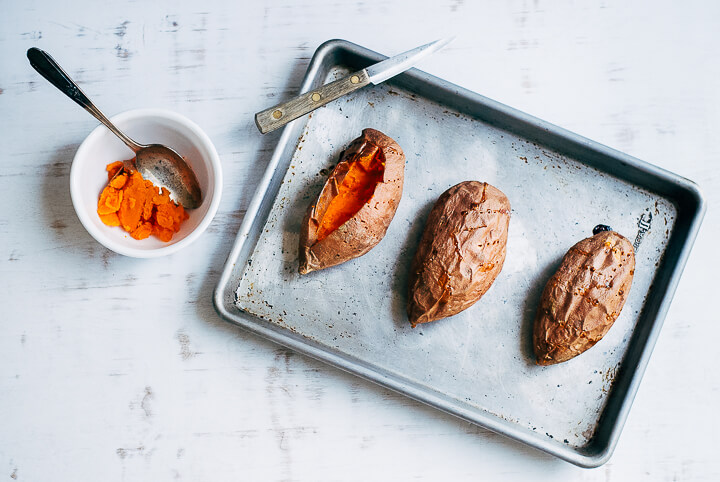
[(356, 205), (461, 252), (582, 300)]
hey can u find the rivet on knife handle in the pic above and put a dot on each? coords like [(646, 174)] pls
[(276, 117)]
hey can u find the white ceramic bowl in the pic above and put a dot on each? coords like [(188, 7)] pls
[(88, 177)]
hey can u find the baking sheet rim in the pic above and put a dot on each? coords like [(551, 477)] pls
[(223, 297)]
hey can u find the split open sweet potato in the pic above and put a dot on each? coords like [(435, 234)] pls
[(356, 205)]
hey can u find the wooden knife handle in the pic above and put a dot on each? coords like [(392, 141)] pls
[(276, 117)]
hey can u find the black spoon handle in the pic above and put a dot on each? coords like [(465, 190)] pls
[(48, 68)]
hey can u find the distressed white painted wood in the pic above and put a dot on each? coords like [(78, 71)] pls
[(115, 369)]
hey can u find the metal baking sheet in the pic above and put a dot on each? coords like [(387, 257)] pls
[(479, 364)]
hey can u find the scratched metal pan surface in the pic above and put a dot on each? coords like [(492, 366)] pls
[(479, 364)]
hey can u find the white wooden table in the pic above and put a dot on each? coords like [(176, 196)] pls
[(114, 368)]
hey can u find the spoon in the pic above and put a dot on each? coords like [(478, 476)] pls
[(161, 165)]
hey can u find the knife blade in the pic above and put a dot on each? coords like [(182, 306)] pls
[(277, 116)]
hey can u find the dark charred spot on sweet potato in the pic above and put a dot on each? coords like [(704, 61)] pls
[(365, 172), (600, 228)]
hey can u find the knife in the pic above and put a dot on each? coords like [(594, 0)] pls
[(279, 115)]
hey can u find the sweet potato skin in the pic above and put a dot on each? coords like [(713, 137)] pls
[(584, 297), (461, 252), (368, 226)]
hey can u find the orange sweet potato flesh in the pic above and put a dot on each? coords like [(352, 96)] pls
[(118, 182), (110, 200), (164, 216), (113, 169), (143, 231), (163, 234), (137, 195), (163, 197), (138, 206), (356, 189), (110, 219)]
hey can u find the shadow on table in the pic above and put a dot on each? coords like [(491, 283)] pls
[(530, 306), (401, 273)]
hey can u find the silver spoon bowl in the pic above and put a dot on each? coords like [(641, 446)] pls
[(159, 164)]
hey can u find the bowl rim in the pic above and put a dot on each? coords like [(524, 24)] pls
[(215, 166)]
